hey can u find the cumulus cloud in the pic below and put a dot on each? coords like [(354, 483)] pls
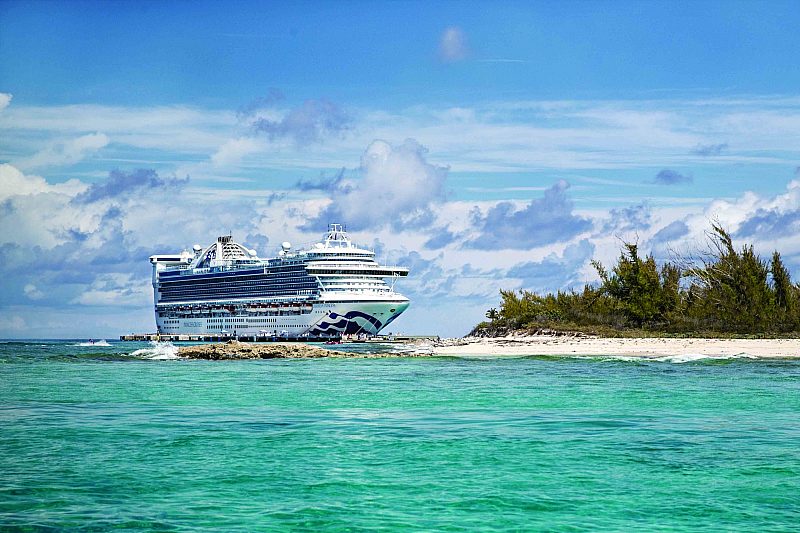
[(14, 182), (397, 188), (555, 272), (32, 292), (671, 177), (440, 238), (330, 184), (709, 150), (453, 45), (121, 183), (309, 123), (672, 231), (66, 153), (430, 280), (543, 221), (778, 217), (632, 218), (5, 100), (115, 289)]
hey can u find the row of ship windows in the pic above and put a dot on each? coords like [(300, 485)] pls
[(217, 285), (254, 291), (266, 287), (269, 275), (245, 288), (221, 321), (232, 293), (251, 322), (203, 314), (244, 285), (218, 327), (216, 323), (354, 283), (229, 294)]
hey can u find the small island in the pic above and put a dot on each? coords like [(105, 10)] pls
[(719, 303)]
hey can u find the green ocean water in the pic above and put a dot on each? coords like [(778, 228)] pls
[(99, 438)]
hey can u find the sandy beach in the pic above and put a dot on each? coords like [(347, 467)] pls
[(624, 347)]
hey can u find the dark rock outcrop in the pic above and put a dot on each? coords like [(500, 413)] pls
[(240, 350)]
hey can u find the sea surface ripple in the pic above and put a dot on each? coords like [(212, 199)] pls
[(126, 436)]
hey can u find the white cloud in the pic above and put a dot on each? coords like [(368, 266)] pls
[(453, 45), (179, 129), (32, 292), (397, 187), (66, 153), (5, 100), (770, 223), (508, 136), (14, 183), (116, 289), (233, 150), (545, 220)]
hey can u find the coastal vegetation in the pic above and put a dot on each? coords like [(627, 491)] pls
[(721, 291)]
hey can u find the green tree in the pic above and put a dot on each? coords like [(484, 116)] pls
[(785, 294), (636, 284), (732, 286)]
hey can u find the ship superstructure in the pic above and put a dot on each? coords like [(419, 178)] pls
[(331, 288)]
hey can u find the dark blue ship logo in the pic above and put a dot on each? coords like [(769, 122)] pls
[(345, 324)]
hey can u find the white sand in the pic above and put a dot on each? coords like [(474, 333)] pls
[(600, 346)]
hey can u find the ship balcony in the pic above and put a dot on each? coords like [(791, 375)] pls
[(376, 271)]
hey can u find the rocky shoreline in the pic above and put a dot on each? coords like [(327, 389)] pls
[(239, 350), (235, 350)]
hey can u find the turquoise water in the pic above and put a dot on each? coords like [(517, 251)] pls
[(97, 438)]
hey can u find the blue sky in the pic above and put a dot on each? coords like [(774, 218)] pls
[(486, 145)]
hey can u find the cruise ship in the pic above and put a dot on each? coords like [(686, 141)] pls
[(330, 289)]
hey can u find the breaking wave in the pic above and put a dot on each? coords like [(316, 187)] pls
[(158, 351), (678, 359), (692, 357), (101, 342)]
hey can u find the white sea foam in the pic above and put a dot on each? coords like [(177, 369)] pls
[(101, 342), (158, 351), (678, 359), (692, 357)]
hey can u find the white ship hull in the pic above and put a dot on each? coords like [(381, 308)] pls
[(325, 319)]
